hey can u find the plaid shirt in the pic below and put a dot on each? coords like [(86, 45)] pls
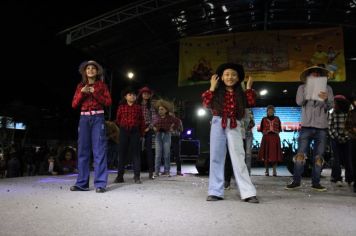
[(165, 124), (130, 116), (92, 101), (149, 115), (336, 122), (230, 106)]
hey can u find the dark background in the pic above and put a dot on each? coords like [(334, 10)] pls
[(40, 71)]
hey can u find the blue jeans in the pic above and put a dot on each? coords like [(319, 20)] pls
[(163, 148), (92, 139), (306, 136)]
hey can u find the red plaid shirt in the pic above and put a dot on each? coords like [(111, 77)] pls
[(230, 106), (165, 124), (92, 101), (130, 116)]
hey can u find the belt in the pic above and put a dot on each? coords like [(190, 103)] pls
[(89, 113)]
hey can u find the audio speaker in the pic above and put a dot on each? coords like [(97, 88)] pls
[(189, 149)]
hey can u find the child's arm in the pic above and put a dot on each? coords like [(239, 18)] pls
[(78, 96), (250, 93), (207, 96)]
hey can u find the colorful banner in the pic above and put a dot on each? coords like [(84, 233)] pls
[(273, 56)]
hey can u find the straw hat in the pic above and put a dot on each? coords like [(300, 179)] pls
[(323, 72), (166, 104)]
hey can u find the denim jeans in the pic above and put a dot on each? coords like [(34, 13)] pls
[(248, 150), (219, 137), (306, 136), (163, 148), (92, 139)]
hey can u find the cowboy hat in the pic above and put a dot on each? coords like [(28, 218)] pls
[(237, 67)]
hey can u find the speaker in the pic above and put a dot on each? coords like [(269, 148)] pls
[(203, 163), (189, 149)]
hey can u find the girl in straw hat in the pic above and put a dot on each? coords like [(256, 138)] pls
[(163, 126)]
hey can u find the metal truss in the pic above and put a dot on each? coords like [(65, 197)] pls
[(115, 17)]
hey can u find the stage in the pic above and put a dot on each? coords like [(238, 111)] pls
[(43, 205)]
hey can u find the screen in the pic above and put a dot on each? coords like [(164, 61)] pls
[(290, 120)]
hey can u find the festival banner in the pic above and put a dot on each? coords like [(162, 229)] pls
[(272, 56)]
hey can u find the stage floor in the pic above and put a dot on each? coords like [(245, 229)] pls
[(43, 205)]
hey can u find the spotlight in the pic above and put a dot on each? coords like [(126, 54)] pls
[(263, 92), (188, 132), (130, 75), (201, 112)]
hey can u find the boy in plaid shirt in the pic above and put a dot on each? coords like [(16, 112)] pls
[(340, 140), (129, 118)]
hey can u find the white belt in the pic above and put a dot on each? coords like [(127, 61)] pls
[(89, 113)]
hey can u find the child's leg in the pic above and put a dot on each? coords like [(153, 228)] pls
[(135, 152), (167, 152), (99, 143), (237, 154), (217, 158), (84, 145), (266, 168), (158, 152)]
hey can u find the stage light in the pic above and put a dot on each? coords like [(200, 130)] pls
[(285, 91), (263, 92), (130, 75), (188, 132), (201, 112)]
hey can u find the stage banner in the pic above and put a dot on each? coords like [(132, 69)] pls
[(272, 56)]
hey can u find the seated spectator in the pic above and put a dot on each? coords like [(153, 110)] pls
[(50, 166), (68, 163)]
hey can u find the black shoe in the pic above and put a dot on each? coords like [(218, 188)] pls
[(150, 176), (214, 198), (292, 185), (319, 187), (76, 188), (138, 181), (252, 200), (226, 185), (100, 190), (119, 179)]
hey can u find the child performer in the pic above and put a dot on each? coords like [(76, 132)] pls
[(91, 96), (149, 114), (129, 118), (163, 126), (227, 102)]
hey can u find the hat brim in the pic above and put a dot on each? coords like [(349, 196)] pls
[(305, 73), (86, 63), (162, 103), (237, 67)]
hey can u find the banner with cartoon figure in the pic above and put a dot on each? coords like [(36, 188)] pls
[(273, 56)]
